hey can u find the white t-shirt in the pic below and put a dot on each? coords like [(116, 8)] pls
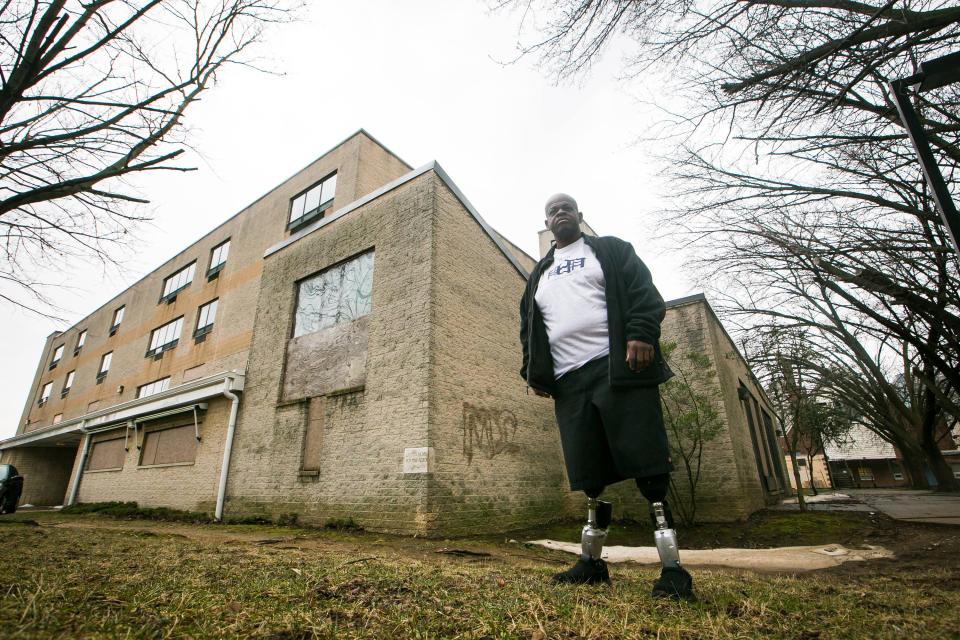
[(573, 303)]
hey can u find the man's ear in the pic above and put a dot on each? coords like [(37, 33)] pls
[(546, 223), (580, 213)]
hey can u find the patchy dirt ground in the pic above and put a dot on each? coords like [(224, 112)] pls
[(87, 576)]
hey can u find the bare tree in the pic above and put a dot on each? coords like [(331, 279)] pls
[(91, 93), (796, 182), (800, 385)]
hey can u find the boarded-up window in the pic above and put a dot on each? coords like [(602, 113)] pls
[(168, 446), (106, 454), (340, 294), (313, 438)]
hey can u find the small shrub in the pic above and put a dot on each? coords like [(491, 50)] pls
[(287, 520), (130, 510), (342, 524)]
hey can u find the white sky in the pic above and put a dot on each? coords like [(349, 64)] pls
[(423, 78)]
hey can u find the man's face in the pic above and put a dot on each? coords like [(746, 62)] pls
[(563, 218)]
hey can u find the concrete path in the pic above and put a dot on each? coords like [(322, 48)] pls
[(900, 504), (912, 505), (777, 559)]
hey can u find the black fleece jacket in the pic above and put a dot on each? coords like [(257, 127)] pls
[(635, 310)]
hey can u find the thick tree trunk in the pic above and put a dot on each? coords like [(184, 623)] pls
[(913, 463), (941, 470), (931, 449)]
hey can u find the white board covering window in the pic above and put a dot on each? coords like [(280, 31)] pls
[(341, 293)]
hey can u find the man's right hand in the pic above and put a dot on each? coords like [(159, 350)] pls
[(542, 394)]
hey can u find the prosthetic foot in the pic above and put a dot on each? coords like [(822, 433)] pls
[(590, 568), (674, 581)]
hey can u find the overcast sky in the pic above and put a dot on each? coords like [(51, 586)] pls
[(426, 79)]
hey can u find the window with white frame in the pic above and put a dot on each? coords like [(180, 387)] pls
[(81, 339), (339, 294), (104, 366), (45, 393), (205, 318), (67, 383), (179, 281), (310, 204), (117, 319), (151, 388), (165, 337), (218, 257), (57, 355)]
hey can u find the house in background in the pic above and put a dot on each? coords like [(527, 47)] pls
[(865, 461), (344, 347)]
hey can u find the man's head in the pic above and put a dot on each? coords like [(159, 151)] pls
[(563, 218)]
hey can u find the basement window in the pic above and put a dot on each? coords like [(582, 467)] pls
[(310, 205), (342, 293)]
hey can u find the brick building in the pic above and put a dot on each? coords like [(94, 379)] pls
[(344, 347)]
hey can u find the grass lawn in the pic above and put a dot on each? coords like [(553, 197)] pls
[(69, 576)]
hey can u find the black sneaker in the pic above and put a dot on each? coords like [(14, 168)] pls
[(674, 583), (584, 572)]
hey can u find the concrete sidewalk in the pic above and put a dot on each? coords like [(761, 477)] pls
[(912, 505), (900, 504)]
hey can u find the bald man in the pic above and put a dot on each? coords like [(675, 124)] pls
[(590, 327)]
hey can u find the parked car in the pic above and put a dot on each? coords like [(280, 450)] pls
[(11, 486)]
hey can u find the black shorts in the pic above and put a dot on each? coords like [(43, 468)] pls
[(609, 433)]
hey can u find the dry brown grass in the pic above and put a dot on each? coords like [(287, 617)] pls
[(81, 576)]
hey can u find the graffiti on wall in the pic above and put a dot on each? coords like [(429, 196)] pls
[(488, 431)]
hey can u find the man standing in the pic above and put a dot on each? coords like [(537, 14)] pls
[(590, 327)]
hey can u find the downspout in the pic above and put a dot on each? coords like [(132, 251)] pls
[(83, 462), (227, 448)]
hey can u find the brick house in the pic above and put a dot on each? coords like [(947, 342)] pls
[(344, 347)]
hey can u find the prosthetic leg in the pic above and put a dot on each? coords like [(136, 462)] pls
[(674, 581), (590, 568)]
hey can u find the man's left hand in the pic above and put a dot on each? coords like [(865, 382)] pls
[(639, 354)]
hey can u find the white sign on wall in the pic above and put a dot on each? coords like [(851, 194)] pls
[(418, 460)]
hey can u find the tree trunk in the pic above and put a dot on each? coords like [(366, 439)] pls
[(796, 478), (813, 482), (931, 449), (913, 463), (941, 470)]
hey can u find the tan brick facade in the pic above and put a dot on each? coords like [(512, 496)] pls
[(411, 419)]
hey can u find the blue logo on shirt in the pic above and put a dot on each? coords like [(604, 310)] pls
[(567, 266)]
